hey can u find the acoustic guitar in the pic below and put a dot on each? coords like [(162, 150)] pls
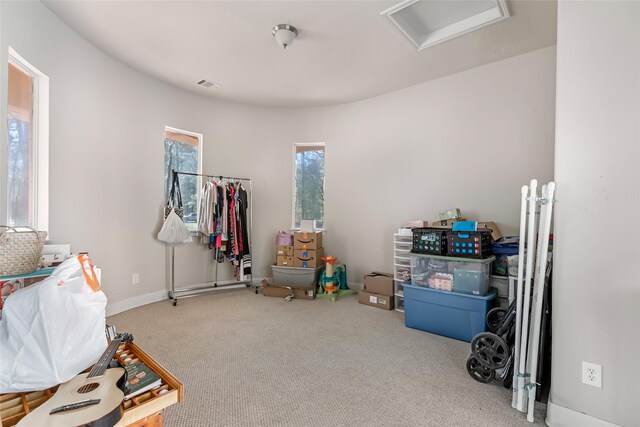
[(90, 399)]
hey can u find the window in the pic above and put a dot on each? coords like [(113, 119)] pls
[(308, 184), (182, 152), (27, 145)]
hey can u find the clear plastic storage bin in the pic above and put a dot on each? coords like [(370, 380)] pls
[(468, 275)]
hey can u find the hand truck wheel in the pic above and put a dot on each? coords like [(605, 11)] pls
[(490, 350), (479, 372)]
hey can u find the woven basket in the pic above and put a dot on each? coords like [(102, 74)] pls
[(20, 251)]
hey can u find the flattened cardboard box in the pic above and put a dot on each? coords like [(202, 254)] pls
[(375, 300), (379, 283), (284, 261), (282, 292), (307, 240), (308, 258), (416, 223), (284, 250)]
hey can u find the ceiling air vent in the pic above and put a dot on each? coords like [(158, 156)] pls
[(207, 83), (426, 23)]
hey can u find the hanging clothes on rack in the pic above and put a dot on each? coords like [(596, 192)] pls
[(206, 220), (245, 257), (225, 224)]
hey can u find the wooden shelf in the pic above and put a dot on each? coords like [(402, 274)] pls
[(15, 406)]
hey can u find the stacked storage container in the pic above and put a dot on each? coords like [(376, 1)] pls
[(299, 264), (449, 296)]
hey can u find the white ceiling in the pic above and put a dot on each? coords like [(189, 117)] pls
[(345, 50)]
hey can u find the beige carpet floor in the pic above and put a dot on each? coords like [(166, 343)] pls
[(250, 360)]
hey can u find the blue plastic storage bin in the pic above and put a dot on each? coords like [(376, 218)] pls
[(449, 314)]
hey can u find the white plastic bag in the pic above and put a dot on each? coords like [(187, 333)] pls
[(173, 230), (52, 330)]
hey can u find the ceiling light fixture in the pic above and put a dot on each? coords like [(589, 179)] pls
[(284, 34)]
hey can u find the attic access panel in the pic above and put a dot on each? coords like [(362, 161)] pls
[(427, 23)]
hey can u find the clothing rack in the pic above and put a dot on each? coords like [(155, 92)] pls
[(199, 288)]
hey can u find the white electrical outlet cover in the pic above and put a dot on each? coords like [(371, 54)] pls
[(592, 374)]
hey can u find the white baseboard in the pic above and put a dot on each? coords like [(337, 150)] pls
[(559, 416), (137, 301), (140, 300)]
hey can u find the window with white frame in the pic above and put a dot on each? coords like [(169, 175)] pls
[(27, 146), (182, 153), (308, 184)]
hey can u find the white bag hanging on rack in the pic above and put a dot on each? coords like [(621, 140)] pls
[(174, 230)]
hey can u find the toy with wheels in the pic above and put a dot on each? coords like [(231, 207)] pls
[(332, 282)]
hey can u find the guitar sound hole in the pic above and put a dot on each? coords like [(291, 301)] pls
[(88, 387)]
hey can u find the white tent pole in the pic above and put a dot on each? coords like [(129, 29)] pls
[(545, 227), (531, 252), (534, 295), (517, 380)]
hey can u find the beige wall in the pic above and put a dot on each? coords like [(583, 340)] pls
[(468, 140), (596, 292)]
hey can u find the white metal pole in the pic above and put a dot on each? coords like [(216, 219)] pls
[(536, 270), (517, 380), (173, 269), (534, 296), (531, 252), (545, 226)]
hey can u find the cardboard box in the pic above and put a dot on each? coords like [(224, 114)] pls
[(376, 300), (416, 223), (491, 226), (307, 240), (284, 250), (450, 214), (269, 290), (308, 258), (379, 283), (446, 223), (284, 261), (283, 292)]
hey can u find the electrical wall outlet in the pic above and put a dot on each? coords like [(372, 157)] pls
[(592, 374), (135, 279)]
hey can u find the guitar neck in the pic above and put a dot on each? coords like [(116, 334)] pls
[(101, 366)]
